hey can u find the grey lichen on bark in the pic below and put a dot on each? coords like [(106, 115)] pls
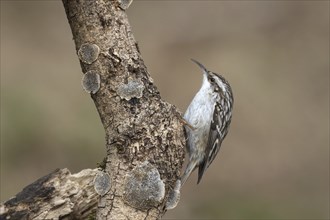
[(143, 188), (91, 81), (102, 183), (88, 53), (174, 196), (139, 125)]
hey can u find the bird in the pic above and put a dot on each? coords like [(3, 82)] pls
[(209, 116)]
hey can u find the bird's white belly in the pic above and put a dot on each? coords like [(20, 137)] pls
[(199, 116)]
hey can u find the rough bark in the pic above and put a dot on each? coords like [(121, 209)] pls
[(144, 135), (58, 195)]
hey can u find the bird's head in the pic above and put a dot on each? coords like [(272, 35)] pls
[(217, 82)]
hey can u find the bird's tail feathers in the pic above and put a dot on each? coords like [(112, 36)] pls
[(189, 169)]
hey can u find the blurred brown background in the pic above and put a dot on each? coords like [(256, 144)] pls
[(274, 164)]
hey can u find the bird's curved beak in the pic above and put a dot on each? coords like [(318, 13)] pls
[(200, 65)]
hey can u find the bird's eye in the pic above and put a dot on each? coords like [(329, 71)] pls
[(212, 80)]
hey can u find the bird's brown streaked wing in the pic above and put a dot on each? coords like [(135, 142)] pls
[(214, 142)]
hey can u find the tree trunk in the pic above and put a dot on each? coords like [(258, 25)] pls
[(144, 135)]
